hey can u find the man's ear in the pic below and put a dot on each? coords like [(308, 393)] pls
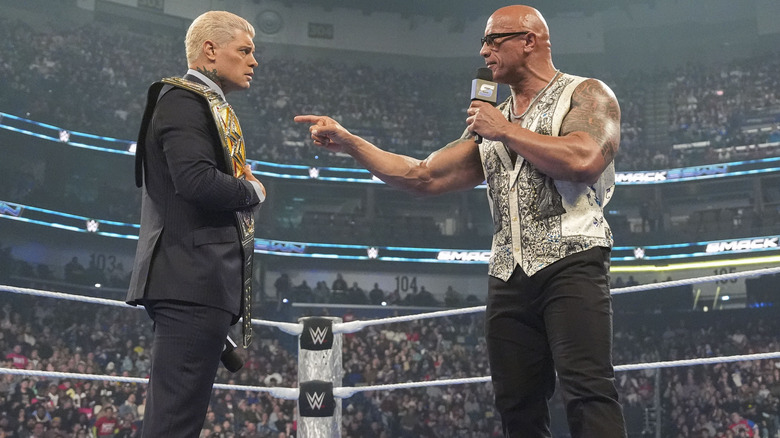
[(209, 50), (530, 40)]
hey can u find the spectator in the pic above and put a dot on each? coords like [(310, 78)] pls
[(40, 415), (283, 287), (356, 295), (339, 284), (303, 293), (17, 358), (742, 426), (376, 295), (55, 430), (321, 292), (129, 407), (75, 271), (126, 427), (425, 298), (106, 424)]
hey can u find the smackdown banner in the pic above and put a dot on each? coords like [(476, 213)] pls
[(753, 246)]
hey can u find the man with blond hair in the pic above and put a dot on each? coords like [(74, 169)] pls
[(192, 270)]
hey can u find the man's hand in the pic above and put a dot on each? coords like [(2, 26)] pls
[(327, 133), (486, 120), (251, 177)]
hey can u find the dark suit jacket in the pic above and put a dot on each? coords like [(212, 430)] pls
[(188, 248)]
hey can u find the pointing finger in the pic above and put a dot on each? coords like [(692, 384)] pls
[(309, 118)]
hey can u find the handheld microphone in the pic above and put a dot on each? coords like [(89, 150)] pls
[(483, 88), (230, 358)]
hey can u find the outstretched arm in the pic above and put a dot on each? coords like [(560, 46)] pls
[(454, 167), (588, 141)]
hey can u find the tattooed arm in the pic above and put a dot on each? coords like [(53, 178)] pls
[(595, 112), (588, 142)]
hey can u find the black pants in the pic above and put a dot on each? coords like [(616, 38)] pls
[(186, 348), (560, 320)]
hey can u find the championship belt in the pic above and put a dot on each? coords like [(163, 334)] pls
[(235, 153)]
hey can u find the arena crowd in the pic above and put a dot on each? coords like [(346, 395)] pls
[(695, 401), (51, 77)]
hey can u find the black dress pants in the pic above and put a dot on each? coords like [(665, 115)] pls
[(186, 348), (560, 319)]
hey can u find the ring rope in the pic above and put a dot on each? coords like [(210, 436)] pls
[(353, 326), (278, 392), (687, 281), (62, 295), (346, 392), (349, 391), (291, 328)]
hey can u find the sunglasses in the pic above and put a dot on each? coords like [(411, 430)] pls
[(490, 39)]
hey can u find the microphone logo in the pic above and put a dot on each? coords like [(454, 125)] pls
[(483, 88), (486, 90)]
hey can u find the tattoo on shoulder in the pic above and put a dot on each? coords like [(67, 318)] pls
[(595, 111), (211, 74)]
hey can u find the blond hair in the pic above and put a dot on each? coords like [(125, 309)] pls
[(217, 26)]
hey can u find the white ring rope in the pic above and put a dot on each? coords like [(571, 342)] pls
[(62, 295), (699, 361), (349, 391), (287, 327), (673, 283), (354, 326), (285, 393)]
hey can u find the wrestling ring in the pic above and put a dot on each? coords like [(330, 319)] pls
[(319, 393)]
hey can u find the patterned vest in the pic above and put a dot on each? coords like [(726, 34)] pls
[(538, 220)]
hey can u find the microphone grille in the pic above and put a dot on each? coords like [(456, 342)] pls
[(485, 74)]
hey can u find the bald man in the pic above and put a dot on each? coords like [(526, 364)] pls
[(547, 156)]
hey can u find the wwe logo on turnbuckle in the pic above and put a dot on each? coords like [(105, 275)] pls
[(316, 401), (319, 401), (318, 335)]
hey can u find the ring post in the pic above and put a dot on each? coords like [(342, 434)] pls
[(319, 371)]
